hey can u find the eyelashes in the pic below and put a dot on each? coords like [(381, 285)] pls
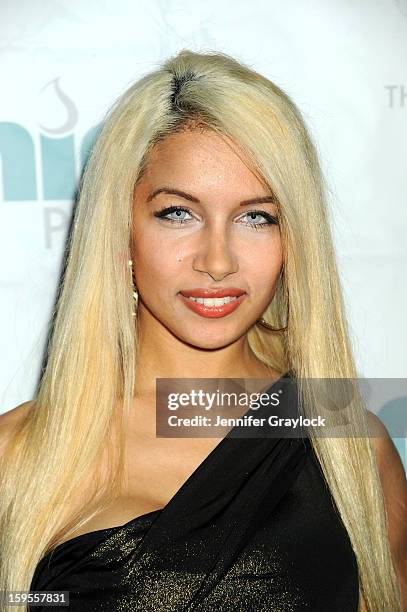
[(162, 214)]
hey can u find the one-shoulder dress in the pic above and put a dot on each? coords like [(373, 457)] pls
[(254, 528)]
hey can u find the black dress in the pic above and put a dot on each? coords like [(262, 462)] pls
[(254, 528)]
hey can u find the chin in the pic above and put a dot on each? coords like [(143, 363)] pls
[(208, 340)]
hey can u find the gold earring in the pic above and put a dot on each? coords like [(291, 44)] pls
[(135, 292), (269, 327)]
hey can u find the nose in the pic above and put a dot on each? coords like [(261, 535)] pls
[(215, 255)]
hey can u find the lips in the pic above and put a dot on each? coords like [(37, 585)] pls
[(210, 310), (202, 292)]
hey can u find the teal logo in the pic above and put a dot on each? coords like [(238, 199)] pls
[(53, 158)]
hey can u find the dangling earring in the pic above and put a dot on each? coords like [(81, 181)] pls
[(135, 292), (269, 327), (276, 330)]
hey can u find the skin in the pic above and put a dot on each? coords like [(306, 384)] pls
[(215, 247)]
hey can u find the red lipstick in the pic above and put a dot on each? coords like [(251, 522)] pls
[(203, 292), (213, 311)]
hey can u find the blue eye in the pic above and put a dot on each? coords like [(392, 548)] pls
[(169, 210), (270, 220), (162, 214)]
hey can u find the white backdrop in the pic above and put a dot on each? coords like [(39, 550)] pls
[(62, 64)]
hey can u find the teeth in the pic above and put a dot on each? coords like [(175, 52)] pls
[(214, 301)]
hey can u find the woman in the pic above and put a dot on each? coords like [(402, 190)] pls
[(204, 178)]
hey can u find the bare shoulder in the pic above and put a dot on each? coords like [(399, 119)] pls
[(394, 485), (386, 452), (391, 469), (10, 419)]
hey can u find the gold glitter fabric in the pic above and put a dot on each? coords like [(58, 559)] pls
[(254, 528)]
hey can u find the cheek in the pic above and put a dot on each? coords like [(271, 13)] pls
[(265, 256), (154, 260), (262, 267)]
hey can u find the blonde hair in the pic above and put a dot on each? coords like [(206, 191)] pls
[(86, 388)]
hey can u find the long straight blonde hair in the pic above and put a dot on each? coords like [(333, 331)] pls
[(85, 392)]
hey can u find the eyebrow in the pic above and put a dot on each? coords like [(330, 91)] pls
[(271, 199)]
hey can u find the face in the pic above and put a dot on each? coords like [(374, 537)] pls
[(200, 235)]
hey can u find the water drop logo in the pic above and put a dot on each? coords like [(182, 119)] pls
[(45, 165), (71, 111)]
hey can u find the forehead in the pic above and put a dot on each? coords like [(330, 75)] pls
[(203, 158)]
